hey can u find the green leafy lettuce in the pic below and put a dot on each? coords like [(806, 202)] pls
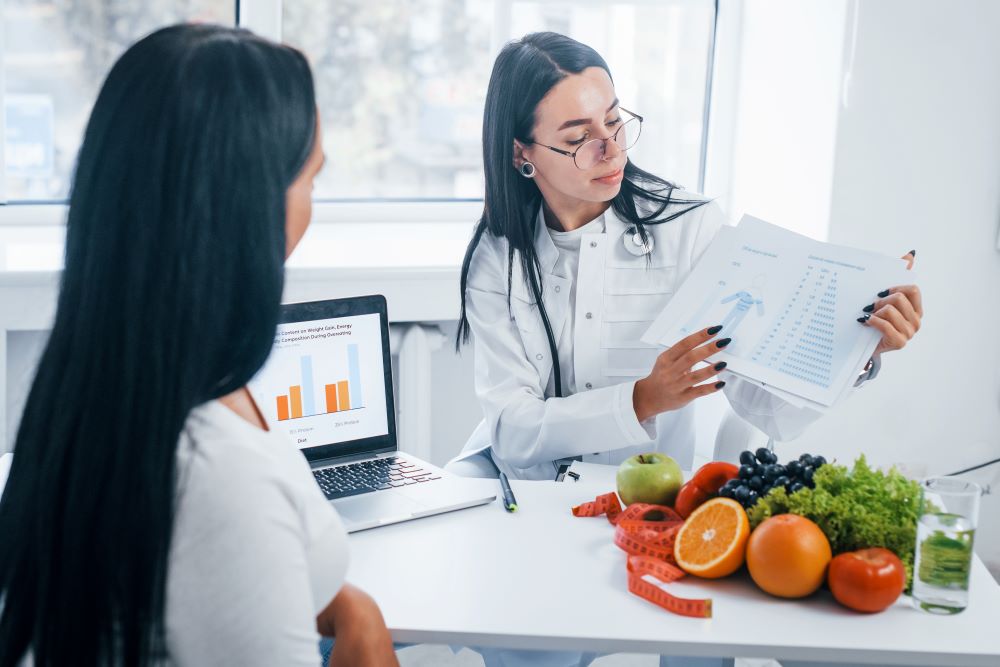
[(855, 508)]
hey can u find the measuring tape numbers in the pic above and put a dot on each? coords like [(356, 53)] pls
[(646, 533)]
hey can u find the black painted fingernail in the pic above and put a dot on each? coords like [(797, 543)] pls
[(869, 308), (884, 293), (724, 342), (720, 384), (714, 330), (719, 366), (913, 253), (864, 319)]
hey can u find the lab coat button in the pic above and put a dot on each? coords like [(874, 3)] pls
[(538, 356), (558, 289), (589, 316), (593, 244), (589, 386)]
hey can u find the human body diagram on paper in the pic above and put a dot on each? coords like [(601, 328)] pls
[(745, 300)]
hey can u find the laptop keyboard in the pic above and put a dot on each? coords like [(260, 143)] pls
[(371, 475)]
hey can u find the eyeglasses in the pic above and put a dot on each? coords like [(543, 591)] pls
[(592, 152)]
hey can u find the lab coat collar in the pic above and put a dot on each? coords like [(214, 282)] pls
[(613, 225), (546, 249)]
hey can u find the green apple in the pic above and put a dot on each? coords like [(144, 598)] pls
[(649, 478)]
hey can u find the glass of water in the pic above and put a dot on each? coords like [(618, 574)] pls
[(949, 511)]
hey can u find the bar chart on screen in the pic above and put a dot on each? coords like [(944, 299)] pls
[(324, 381), (301, 400)]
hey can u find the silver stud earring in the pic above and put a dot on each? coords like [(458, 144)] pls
[(527, 170)]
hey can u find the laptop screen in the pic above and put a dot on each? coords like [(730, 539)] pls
[(325, 382)]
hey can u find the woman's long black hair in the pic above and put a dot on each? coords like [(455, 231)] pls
[(169, 298), (524, 72)]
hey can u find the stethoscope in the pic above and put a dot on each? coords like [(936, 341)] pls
[(634, 244)]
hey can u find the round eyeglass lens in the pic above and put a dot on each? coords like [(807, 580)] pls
[(592, 152), (628, 133)]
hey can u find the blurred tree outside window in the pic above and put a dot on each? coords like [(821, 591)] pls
[(56, 54), (400, 83)]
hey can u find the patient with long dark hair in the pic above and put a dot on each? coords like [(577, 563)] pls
[(150, 517)]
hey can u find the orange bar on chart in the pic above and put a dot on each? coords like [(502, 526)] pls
[(282, 408), (345, 397), (296, 394), (331, 398)]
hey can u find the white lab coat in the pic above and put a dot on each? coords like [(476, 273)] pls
[(526, 430)]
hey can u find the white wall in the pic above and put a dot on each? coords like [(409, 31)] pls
[(24, 349), (918, 167), (876, 124)]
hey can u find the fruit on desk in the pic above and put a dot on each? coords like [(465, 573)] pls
[(649, 478), (868, 580), (760, 472), (787, 556), (712, 542), (703, 486)]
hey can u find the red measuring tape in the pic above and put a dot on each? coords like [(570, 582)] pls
[(646, 533)]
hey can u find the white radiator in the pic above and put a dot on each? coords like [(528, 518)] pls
[(414, 344)]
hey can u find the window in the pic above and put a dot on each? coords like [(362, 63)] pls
[(55, 56), (401, 83), (400, 87)]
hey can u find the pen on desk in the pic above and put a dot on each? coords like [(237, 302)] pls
[(509, 502)]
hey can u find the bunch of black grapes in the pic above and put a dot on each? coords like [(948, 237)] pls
[(760, 472)]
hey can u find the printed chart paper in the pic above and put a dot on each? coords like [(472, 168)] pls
[(789, 303)]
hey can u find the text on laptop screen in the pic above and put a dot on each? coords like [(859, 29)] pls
[(324, 382)]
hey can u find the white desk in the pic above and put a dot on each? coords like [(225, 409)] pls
[(543, 579)]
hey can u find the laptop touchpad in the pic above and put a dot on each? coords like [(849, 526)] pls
[(376, 506)]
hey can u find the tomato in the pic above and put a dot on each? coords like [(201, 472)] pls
[(689, 498), (869, 580), (703, 486)]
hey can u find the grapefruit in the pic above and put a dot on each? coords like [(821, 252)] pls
[(787, 556)]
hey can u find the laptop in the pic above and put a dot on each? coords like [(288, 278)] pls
[(327, 384)]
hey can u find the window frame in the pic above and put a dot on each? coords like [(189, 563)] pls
[(265, 18)]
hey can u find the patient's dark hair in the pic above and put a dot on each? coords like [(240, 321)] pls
[(524, 72), (169, 298)]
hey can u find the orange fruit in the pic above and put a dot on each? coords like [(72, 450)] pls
[(712, 542), (787, 556)]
